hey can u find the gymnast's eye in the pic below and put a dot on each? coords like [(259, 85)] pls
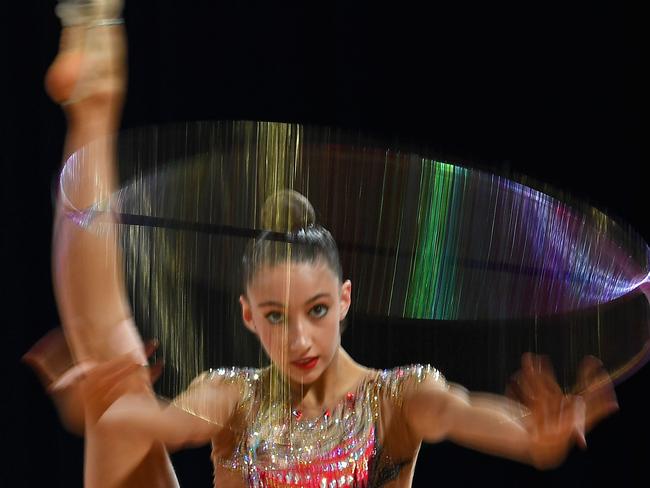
[(275, 317), (319, 311)]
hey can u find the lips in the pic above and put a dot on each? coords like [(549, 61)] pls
[(306, 363)]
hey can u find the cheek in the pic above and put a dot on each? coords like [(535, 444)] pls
[(330, 335), (273, 340)]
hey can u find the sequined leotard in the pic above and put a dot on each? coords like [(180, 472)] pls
[(341, 447)]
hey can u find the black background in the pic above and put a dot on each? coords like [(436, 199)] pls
[(551, 90)]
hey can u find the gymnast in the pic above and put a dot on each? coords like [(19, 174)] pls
[(338, 424)]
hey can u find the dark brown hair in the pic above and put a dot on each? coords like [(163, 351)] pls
[(290, 235)]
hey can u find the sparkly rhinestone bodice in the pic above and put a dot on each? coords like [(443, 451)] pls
[(278, 448)]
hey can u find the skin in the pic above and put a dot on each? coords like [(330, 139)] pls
[(296, 312)]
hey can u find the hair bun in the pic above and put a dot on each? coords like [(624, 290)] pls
[(287, 211)]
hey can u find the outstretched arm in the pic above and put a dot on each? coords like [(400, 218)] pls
[(541, 433), (193, 418)]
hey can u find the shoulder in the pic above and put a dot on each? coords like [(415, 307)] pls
[(244, 380), (227, 376), (402, 391), (399, 383), (220, 390)]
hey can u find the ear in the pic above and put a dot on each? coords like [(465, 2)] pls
[(247, 314), (346, 299)]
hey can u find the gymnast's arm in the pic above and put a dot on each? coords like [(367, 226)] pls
[(193, 418), (540, 433)]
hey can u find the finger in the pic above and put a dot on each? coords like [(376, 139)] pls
[(531, 368), (108, 389), (599, 409), (513, 392), (550, 411), (580, 421), (105, 367), (535, 362), (538, 380), (527, 361), (572, 421), (590, 371), (150, 347), (546, 365), (592, 366), (103, 372), (525, 385), (548, 377), (156, 370), (549, 385), (72, 376), (115, 391), (50, 357), (597, 390), (119, 372), (541, 375)]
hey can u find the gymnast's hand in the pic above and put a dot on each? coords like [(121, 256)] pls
[(555, 421), (103, 383), (595, 387)]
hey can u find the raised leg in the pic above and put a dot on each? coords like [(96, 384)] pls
[(88, 79)]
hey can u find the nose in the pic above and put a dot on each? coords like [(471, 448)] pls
[(299, 338)]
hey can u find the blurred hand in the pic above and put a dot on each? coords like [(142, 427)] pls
[(595, 387), (555, 421), (103, 383)]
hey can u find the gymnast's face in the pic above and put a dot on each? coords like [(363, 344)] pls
[(296, 310)]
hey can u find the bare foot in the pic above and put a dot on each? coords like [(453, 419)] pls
[(63, 74), (89, 71)]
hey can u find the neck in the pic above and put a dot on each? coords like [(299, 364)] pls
[(341, 375)]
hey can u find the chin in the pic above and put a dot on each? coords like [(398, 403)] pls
[(309, 376), (298, 376), (304, 377)]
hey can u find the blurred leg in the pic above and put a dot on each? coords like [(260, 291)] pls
[(88, 79)]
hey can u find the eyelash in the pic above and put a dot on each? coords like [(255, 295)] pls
[(277, 321), (279, 317), (316, 315)]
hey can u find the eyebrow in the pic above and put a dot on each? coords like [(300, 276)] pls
[(272, 303)]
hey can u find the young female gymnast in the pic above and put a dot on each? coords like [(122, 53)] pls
[(340, 423)]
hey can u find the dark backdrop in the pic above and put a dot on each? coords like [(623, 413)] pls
[(549, 90)]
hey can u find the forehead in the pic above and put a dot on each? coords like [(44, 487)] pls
[(295, 279)]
